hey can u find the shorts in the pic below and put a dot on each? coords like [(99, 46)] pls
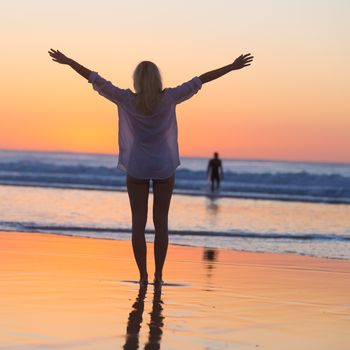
[(135, 180)]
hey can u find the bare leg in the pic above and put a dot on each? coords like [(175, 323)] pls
[(138, 195), (212, 184), (162, 192), (218, 184)]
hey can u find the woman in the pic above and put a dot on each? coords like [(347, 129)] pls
[(148, 148)]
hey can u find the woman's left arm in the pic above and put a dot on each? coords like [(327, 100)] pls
[(239, 63), (59, 57)]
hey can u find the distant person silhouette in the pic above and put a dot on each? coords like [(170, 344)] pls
[(215, 172), (148, 144)]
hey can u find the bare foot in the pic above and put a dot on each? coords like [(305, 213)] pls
[(158, 280)]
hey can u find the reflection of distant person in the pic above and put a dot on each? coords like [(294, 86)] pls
[(215, 172), (210, 254)]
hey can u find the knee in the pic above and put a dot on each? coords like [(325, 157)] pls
[(139, 222), (160, 222)]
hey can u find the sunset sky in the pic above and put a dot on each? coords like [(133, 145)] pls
[(293, 103)]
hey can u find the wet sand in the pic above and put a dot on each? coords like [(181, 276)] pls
[(59, 292)]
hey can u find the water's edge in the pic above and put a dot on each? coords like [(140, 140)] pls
[(259, 196), (177, 244)]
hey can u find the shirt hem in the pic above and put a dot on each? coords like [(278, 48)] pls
[(124, 170)]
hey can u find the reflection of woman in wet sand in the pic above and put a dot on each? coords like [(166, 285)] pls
[(148, 148), (136, 316), (135, 320)]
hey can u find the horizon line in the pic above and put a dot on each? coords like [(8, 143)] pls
[(185, 156)]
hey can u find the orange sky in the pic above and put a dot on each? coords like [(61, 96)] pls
[(293, 103)]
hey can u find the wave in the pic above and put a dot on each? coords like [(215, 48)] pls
[(288, 185), (87, 230)]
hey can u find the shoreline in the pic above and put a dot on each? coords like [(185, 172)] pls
[(265, 197), (226, 250), (174, 244), (82, 294)]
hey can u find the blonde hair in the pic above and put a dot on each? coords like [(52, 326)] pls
[(148, 86)]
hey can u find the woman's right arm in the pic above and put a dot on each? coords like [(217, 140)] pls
[(59, 57), (104, 87), (240, 62)]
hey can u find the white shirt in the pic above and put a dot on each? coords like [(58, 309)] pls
[(148, 147)]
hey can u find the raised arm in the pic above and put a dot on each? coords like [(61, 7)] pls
[(103, 86), (59, 57), (240, 62)]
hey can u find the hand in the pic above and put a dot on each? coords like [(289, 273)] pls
[(242, 61), (59, 57)]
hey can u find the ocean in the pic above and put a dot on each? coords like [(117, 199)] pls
[(266, 206)]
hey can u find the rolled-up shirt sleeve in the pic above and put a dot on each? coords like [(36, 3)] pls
[(185, 91), (106, 89)]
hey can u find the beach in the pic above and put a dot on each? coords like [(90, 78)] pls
[(97, 98), (60, 292), (263, 264)]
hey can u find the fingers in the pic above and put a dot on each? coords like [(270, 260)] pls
[(57, 56), (244, 60), (247, 59), (52, 53)]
